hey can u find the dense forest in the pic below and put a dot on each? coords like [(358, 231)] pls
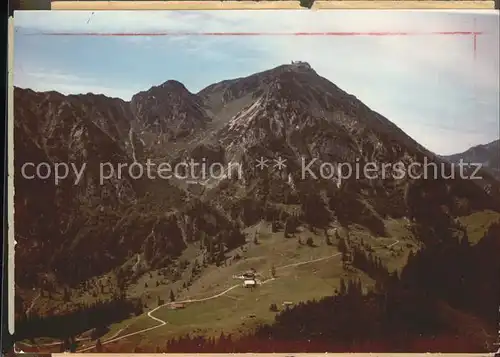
[(83, 318)]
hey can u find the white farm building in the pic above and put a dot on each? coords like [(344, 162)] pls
[(250, 283)]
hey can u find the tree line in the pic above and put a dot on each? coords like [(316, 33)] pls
[(82, 318)]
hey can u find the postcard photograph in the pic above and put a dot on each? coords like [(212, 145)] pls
[(256, 181)]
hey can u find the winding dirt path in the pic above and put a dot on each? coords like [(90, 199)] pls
[(32, 303)]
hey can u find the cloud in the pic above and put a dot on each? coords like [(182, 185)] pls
[(107, 21), (43, 79)]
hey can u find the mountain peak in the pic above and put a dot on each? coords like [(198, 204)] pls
[(169, 108), (294, 66), (173, 85), (301, 65), (170, 88)]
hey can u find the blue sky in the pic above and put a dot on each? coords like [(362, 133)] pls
[(430, 86)]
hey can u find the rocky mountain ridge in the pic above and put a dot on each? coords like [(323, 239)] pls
[(289, 112), (487, 155)]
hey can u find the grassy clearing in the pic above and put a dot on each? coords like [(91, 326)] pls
[(394, 255), (242, 309), (477, 224)]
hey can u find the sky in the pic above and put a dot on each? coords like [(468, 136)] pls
[(431, 86)]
